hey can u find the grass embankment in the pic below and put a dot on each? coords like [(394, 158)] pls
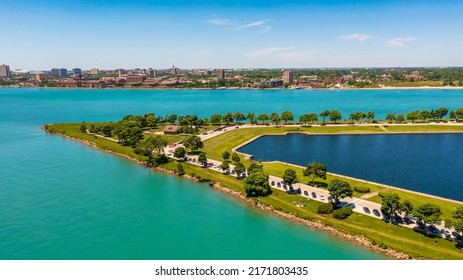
[(414, 84), (400, 239)]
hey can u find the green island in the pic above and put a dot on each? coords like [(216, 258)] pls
[(144, 139)]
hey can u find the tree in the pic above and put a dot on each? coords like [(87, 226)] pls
[(179, 152), (236, 158), (287, 116), (151, 120), (313, 117), (400, 118), (335, 116), (304, 119), (216, 119), (371, 116), (239, 168), (172, 118), (180, 169), (130, 136), (225, 165), (412, 116), (458, 214), (452, 115), (352, 117), (458, 226), (83, 128), (424, 115), (324, 115), (391, 117), (263, 118), (339, 189), (407, 207), (315, 170), (361, 116), (193, 143), (227, 118), (275, 118), (239, 117), (459, 113), (153, 144), (290, 176), (202, 159), (390, 204), (442, 112), (225, 155), (251, 117), (254, 167), (256, 185), (428, 213)]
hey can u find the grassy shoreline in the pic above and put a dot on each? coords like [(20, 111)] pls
[(359, 229)]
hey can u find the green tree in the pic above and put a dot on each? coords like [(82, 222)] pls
[(151, 120), (458, 226), (339, 189), (239, 117), (424, 115), (390, 204), (459, 113), (172, 118), (428, 213), (251, 117), (315, 170), (153, 144), (324, 115), (239, 168), (83, 128), (193, 143), (452, 115), (412, 116), (290, 176), (313, 117), (180, 169), (442, 112), (407, 207), (202, 159), (254, 167), (458, 214), (275, 118), (361, 116), (371, 116), (335, 116), (227, 118), (226, 155), (179, 152), (263, 118), (236, 158), (225, 165), (257, 185), (304, 119), (400, 118), (287, 116), (216, 119), (391, 117), (130, 136)]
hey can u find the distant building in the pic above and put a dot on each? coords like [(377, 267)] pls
[(173, 70), (135, 79), (42, 77), (172, 129), (288, 77), (220, 74), (76, 71), (94, 71), (62, 72), (274, 83), (55, 72), (151, 73), (5, 71)]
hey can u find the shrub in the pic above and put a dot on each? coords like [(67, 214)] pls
[(342, 213), (361, 189), (180, 169), (325, 208)]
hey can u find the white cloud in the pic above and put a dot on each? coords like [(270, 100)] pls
[(357, 37), (399, 42), (254, 24), (220, 21), (259, 26), (201, 53), (266, 52)]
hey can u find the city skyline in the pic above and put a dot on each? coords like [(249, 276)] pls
[(202, 34)]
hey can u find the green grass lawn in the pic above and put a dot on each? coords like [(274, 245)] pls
[(402, 239)]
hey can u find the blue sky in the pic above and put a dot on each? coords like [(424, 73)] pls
[(42, 34)]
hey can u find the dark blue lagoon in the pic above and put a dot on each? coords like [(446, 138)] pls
[(428, 163)]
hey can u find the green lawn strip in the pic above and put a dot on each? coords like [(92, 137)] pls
[(401, 239), (414, 84), (425, 128)]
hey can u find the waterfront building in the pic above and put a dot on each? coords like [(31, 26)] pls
[(5, 71), (94, 71), (42, 77), (76, 71), (288, 77), (151, 73), (62, 72), (55, 72), (220, 74), (172, 129), (274, 83), (135, 79), (173, 70)]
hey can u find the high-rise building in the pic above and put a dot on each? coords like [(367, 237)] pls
[(173, 70), (55, 72), (94, 71), (288, 77), (62, 72), (76, 71), (220, 74), (151, 73), (5, 71)]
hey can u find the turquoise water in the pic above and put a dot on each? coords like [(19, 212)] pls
[(418, 162), (63, 200)]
